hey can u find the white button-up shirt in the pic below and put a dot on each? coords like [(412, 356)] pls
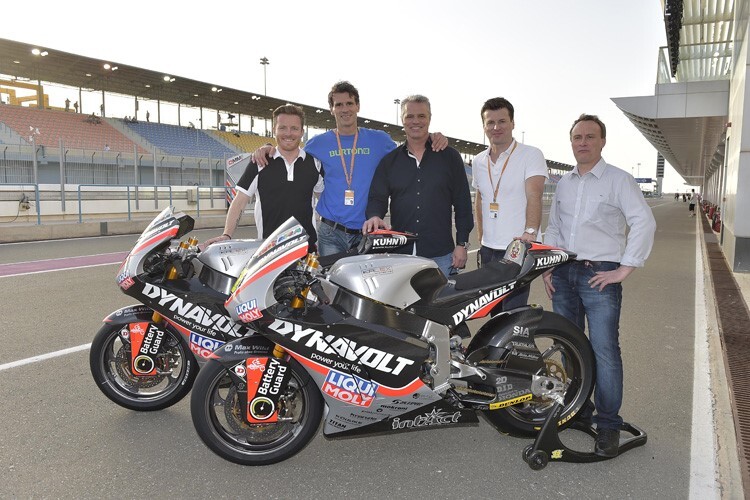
[(590, 212)]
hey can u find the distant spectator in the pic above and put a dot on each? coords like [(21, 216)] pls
[(67, 104), (148, 116), (101, 109), (75, 106), (106, 147)]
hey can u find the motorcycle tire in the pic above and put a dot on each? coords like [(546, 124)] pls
[(217, 416), (569, 357), (110, 360)]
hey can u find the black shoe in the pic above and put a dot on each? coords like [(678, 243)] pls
[(607, 443)]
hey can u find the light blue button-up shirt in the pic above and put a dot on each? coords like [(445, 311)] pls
[(590, 213)]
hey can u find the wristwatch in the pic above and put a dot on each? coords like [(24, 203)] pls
[(464, 244), (530, 230)]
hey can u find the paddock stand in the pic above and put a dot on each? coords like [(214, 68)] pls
[(548, 446)]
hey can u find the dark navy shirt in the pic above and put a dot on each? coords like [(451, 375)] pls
[(423, 198)]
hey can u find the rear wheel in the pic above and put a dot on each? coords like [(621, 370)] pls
[(110, 362), (217, 413), (568, 357)]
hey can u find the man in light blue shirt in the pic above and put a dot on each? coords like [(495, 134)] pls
[(593, 205)]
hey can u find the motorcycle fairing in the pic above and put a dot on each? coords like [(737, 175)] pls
[(435, 413), (165, 226), (129, 314), (145, 345)]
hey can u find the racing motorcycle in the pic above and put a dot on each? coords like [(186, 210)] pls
[(375, 343), (146, 356)]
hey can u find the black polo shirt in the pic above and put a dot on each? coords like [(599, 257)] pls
[(278, 197), (423, 198)]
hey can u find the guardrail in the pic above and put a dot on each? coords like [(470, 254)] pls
[(135, 190), (210, 196), (36, 198)]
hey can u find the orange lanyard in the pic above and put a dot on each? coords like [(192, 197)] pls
[(496, 187), (350, 174)]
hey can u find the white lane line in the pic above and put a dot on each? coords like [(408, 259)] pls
[(42, 357), (61, 269), (703, 472)]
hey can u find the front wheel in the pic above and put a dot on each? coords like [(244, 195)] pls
[(568, 357), (217, 412), (110, 362)]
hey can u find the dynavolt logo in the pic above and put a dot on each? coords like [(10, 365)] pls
[(468, 311), (347, 349)]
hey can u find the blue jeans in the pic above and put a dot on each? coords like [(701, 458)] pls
[(519, 298), (445, 263), (576, 300), (331, 241)]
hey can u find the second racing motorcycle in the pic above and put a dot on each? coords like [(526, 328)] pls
[(377, 343)]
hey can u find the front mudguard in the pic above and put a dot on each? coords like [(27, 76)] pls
[(252, 346), (137, 313)]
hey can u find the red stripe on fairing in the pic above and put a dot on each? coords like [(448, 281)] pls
[(284, 260), (539, 246), (154, 239), (384, 390), (481, 313)]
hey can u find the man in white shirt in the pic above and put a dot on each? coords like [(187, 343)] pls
[(509, 181), (593, 205)]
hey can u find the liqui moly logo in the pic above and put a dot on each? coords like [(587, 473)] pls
[(248, 311), (349, 388)]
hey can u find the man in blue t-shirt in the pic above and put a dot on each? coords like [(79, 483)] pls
[(349, 155)]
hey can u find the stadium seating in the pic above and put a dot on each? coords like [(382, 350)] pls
[(175, 140), (244, 141), (49, 126)]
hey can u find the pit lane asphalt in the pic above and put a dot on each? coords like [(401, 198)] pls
[(61, 438)]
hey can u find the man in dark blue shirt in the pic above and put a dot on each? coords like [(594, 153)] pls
[(425, 188)]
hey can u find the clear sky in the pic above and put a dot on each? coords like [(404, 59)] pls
[(553, 59)]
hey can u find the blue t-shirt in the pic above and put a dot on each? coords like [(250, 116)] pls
[(372, 146)]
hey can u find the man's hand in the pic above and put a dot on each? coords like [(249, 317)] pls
[(459, 257), (526, 237), (223, 237), (604, 278), (439, 141), (261, 155), (374, 223), (547, 277)]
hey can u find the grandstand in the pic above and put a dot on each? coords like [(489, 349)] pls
[(183, 141), (48, 127)]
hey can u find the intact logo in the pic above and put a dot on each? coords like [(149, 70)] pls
[(347, 349), (349, 388), (389, 241), (435, 417), (203, 346), (551, 260), (248, 311), (469, 311)]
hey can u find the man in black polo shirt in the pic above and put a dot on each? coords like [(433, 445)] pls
[(425, 187), (282, 189)]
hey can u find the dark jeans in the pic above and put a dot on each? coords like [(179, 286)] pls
[(576, 300), (331, 241), (519, 297)]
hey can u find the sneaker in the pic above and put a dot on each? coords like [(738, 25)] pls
[(607, 443)]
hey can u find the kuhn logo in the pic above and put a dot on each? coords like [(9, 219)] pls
[(347, 349), (468, 311), (390, 241), (349, 389), (550, 260), (189, 311)]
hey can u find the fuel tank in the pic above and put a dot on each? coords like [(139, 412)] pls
[(223, 262), (384, 278)]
